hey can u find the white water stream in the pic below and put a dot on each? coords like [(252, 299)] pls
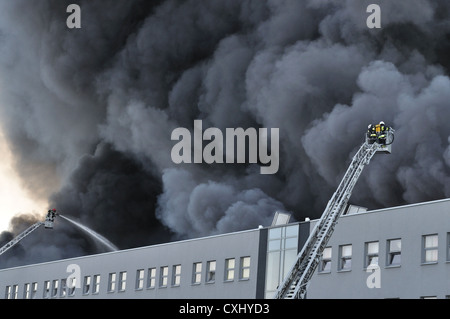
[(92, 233)]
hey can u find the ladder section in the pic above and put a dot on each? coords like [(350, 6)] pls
[(48, 223), (296, 282), (21, 236)]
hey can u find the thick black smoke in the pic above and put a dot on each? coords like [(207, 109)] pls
[(89, 112)]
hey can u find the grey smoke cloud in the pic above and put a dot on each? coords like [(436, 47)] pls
[(89, 112)]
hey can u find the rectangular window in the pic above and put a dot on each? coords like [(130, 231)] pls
[(63, 290), (34, 288), (112, 282), (122, 280), (176, 275), (15, 291), (139, 279), (55, 288), (448, 246), (47, 289), (96, 284), (345, 257), (197, 273), (72, 285), (210, 271), (26, 291), (371, 253), (394, 252), (245, 268), (163, 276), (229, 269), (12, 292), (430, 248), (151, 280), (325, 262), (282, 251), (86, 285)]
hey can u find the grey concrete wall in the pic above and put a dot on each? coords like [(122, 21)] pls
[(234, 245), (412, 279)]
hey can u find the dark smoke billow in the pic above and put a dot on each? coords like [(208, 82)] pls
[(89, 112)]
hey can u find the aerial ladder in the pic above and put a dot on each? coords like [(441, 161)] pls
[(295, 284), (48, 223)]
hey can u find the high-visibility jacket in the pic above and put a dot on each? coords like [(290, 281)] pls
[(383, 131)]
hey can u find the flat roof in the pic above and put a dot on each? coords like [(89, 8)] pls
[(410, 205)]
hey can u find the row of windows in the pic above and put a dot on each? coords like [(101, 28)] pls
[(393, 253), (198, 271), (118, 281)]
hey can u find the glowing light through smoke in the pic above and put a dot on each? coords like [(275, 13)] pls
[(13, 198)]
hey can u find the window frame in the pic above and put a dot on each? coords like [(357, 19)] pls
[(163, 276), (71, 288), (63, 289), (344, 259), (34, 290), (210, 276), (87, 285), (55, 288), (47, 289), (427, 249), (112, 280), (176, 275), (140, 279), (122, 283), (230, 270), (151, 278), (244, 268), (448, 247), (96, 284), (391, 254), (197, 273), (27, 290), (369, 256), (15, 291), (325, 261)]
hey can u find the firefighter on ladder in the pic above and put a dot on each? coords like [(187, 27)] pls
[(371, 134), (51, 214), (377, 133), (382, 133)]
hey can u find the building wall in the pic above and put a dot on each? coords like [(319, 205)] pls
[(184, 253), (412, 278)]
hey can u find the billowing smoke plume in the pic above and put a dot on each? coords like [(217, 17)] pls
[(89, 112)]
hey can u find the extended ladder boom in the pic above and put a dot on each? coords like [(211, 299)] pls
[(48, 223), (295, 283), (21, 236)]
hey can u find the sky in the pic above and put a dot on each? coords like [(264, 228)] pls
[(14, 198), (88, 113)]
